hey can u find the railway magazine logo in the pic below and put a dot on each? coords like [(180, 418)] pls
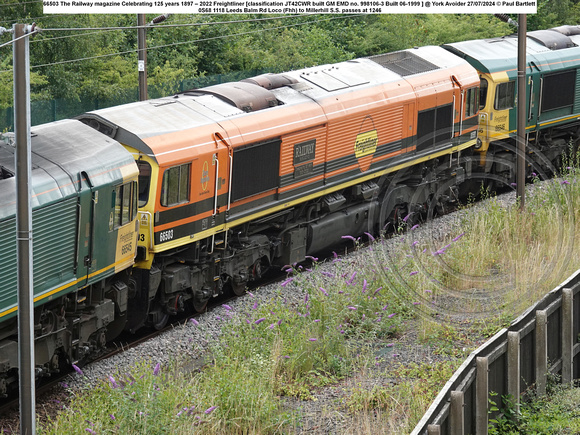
[(366, 143)]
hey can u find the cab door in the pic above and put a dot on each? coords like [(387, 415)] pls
[(86, 211)]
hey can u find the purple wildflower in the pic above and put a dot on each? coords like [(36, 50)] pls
[(406, 218), (77, 369), (112, 417), (316, 320), (113, 382), (414, 227), (310, 257), (565, 182), (349, 238), (89, 430), (458, 237), (349, 281), (415, 243), (271, 326), (156, 369), (364, 289), (378, 290), (279, 322), (286, 282), (257, 322), (306, 298), (323, 291), (416, 303), (210, 410), (391, 315), (428, 291), (370, 236), (255, 306), (251, 294), (195, 322), (227, 307), (352, 308), (513, 184), (313, 339), (415, 272)]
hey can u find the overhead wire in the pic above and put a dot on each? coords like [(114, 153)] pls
[(161, 26), (175, 43), (20, 20), (98, 30)]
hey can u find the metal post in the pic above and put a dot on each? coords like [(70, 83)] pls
[(521, 112), (142, 56), (24, 230)]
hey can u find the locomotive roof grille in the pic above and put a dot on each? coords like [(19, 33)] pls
[(404, 63), (245, 96), (552, 39)]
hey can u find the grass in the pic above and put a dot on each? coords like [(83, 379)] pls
[(555, 413), (499, 261)]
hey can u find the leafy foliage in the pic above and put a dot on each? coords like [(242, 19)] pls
[(101, 64)]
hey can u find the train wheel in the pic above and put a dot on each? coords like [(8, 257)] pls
[(199, 307), (239, 289), (158, 317)]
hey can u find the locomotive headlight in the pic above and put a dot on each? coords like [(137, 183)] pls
[(478, 144)]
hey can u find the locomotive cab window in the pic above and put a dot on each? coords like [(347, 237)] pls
[(144, 182), (125, 203), (505, 95), (471, 106), (482, 93), (175, 187)]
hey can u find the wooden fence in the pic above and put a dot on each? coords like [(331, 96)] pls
[(543, 340)]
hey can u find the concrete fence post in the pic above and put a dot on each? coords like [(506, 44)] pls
[(481, 395), (567, 332), (457, 418), (541, 351), (513, 363)]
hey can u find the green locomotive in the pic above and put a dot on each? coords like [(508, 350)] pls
[(552, 95), (84, 209)]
